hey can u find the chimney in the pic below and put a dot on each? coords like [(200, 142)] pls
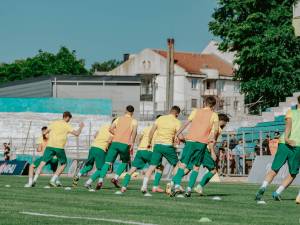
[(170, 74), (125, 57)]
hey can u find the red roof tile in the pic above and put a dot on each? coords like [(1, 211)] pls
[(193, 62)]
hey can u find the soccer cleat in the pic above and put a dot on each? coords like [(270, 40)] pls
[(175, 192), (260, 194), (75, 180), (144, 190), (28, 185), (276, 196), (99, 185), (123, 189), (115, 182), (298, 199), (157, 190), (198, 189), (188, 194), (52, 184), (88, 186), (58, 183)]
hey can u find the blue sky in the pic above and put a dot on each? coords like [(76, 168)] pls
[(101, 29)]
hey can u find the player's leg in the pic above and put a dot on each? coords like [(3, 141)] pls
[(109, 160), (88, 166), (156, 160), (157, 177), (62, 159), (47, 156), (211, 166), (138, 163), (194, 167), (187, 154), (125, 158), (293, 164), (53, 166), (279, 160), (32, 166), (99, 156)]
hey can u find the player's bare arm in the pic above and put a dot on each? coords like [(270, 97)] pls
[(287, 132), (78, 131), (183, 127), (152, 131)]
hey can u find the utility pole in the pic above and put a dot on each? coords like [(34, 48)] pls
[(170, 75), (296, 18)]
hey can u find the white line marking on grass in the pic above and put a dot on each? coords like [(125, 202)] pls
[(85, 218)]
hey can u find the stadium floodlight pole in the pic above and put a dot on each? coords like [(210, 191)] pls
[(296, 18)]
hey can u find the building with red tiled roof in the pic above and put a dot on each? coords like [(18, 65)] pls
[(196, 75)]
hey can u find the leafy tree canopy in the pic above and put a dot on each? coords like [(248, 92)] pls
[(267, 51), (105, 66), (64, 62)]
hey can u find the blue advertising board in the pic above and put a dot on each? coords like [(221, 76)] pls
[(12, 167)]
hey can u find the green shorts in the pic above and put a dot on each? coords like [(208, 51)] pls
[(142, 158), (96, 155), (167, 151), (286, 153), (53, 163), (50, 152), (193, 151), (118, 148), (207, 161)]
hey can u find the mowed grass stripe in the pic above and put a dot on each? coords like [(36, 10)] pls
[(236, 207)]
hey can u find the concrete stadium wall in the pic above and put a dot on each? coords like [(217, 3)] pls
[(40, 89), (121, 96), (57, 105)]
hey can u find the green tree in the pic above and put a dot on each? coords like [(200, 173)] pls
[(105, 66), (64, 62), (267, 52)]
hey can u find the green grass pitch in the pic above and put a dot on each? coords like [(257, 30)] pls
[(236, 207)]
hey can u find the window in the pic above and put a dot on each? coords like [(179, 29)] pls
[(146, 88), (210, 84), (236, 105), (236, 86), (221, 84), (194, 82), (194, 103), (221, 104)]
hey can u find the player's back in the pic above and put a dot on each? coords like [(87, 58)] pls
[(167, 126), (124, 127), (102, 137), (145, 138), (59, 130)]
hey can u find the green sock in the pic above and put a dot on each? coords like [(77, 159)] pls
[(121, 168), (193, 178), (86, 169), (104, 170), (205, 179), (178, 177), (95, 175), (126, 180), (157, 178)]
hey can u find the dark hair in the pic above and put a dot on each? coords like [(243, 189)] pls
[(158, 116), (210, 101), (44, 128), (175, 108), (299, 99), (223, 117), (67, 114), (130, 108)]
